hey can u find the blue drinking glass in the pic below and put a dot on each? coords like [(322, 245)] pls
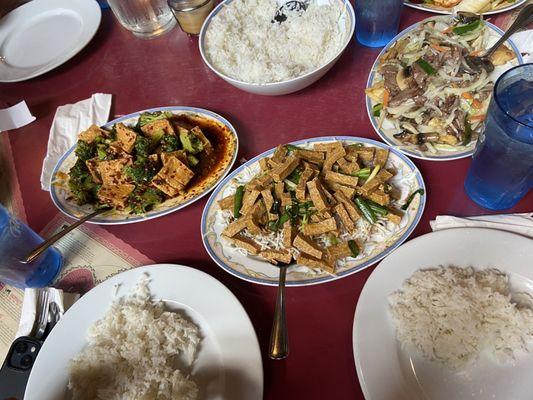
[(376, 22), (501, 172), (17, 240)]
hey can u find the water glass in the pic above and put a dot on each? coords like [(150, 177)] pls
[(144, 18), (376, 22), (17, 240), (501, 172)]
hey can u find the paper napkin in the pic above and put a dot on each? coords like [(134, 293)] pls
[(516, 223), (15, 116), (524, 42), (70, 120), (29, 307)]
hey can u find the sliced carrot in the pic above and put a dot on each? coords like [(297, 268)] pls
[(476, 104), (467, 95), (386, 97), (439, 48), (480, 117)]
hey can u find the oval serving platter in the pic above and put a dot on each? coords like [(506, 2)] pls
[(59, 188), (442, 10), (496, 33), (256, 270)]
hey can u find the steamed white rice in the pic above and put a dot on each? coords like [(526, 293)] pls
[(243, 43), (452, 314), (132, 353)]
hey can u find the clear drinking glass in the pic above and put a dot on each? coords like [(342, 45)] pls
[(376, 22), (191, 14), (17, 240), (501, 172), (145, 18)]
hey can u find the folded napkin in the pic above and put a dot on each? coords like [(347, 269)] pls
[(516, 223), (15, 116), (524, 42), (70, 120), (29, 307)]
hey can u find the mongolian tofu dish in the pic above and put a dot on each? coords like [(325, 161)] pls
[(135, 168), (314, 205), (426, 93)]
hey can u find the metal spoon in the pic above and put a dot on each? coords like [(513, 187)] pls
[(47, 243), (477, 63), (279, 337)]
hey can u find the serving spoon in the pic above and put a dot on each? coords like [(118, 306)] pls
[(279, 337), (477, 63), (50, 241)]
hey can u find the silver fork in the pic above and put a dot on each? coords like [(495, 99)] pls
[(42, 315)]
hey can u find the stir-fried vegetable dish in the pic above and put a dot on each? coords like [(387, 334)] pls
[(424, 87), (311, 204), (473, 6), (135, 168)]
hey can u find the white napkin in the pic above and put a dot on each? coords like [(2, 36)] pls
[(516, 223), (15, 116), (524, 43), (70, 120), (29, 307)]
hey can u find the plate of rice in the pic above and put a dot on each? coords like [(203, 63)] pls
[(151, 333), (449, 315)]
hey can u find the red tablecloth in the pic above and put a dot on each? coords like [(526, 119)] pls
[(169, 71)]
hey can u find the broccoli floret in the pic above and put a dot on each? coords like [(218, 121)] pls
[(170, 143), (81, 184), (142, 147), (147, 117), (84, 150), (141, 171), (143, 199), (191, 142)]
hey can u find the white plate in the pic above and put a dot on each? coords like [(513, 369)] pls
[(229, 360), (60, 193), (257, 270), (42, 34), (496, 33), (436, 10), (386, 372)]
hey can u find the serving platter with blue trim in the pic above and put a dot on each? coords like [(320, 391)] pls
[(442, 10), (254, 269), (386, 128), (61, 196)]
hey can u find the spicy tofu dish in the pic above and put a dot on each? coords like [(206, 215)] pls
[(133, 169), (425, 93), (314, 206)]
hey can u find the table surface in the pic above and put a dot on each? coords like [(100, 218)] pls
[(169, 71)]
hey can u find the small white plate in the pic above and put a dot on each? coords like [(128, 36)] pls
[(61, 196), (257, 270), (437, 10), (387, 372), (228, 365), (42, 34), (495, 34)]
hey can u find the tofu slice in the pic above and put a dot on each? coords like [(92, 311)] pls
[(381, 156), (91, 133), (248, 200), (111, 171), (263, 164), (332, 158), (125, 137), (349, 205), (175, 173), (275, 256), (365, 153), (319, 228), (115, 195), (235, 227), (379, 197), (154, 129), (227, 202), (369, 187), (328, 147), (337, 252), (316, 192), (279, 154), (286, 199), (384, 175), (315, 157), (347, 167), (341, 179), (343, 215), (313, 262), (92, 166), (179, 154), (279, 189), (394, 217), (285, 169), (260, 183), (253, 227), (269, 202), (208, 147), (289, 232), (336, 187), (246, 243), (165, 187), (306, 245)]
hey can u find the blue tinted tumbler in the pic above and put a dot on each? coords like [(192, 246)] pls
[(376, 22), (501, 172), (17, 240)]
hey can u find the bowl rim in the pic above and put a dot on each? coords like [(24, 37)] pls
[(201, 42)]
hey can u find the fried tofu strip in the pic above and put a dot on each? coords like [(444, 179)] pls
[(381, 156), (115, 195), (348, 205), (275, 256), (319, 228), (90, 134), (248, 200), (125, 137), (306, 245), (111, 171), (316, 192), (289, 232), (343, 215), (332, 158), (227, 202), (310, 261), (341, 179), (247, 244), (154, 129), (285, 169), (315, 157), (235, 227)]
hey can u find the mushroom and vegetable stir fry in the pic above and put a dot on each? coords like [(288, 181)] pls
[(136, 168), (427, 90), (473, 6), (310, 205)]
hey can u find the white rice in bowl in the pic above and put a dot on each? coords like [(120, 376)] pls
[(133, 352), (242, 42), (452, 314)]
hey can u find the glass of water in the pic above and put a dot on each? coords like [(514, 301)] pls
[(376, 22), (17, 240), (144, 18), (501, 172)]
